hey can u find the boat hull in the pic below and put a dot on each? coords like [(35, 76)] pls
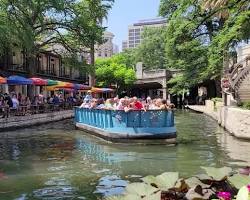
[(134, 126), (167, 137)]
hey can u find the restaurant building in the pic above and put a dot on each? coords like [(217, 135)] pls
[(48, 66)]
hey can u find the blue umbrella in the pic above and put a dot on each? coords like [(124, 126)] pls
[(18, 80)]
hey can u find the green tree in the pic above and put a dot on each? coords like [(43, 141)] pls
[(114, 71), (90, 15), (40, 24), (200, 36), (152, 49)]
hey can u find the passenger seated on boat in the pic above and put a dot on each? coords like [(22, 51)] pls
[(137, 105), (164, 105), (109, 104), (100, 104), (121, 105), (88, 97), (85, 104), (93, 103)]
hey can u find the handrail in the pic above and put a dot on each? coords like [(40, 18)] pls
[(240, 70), (120, 119)]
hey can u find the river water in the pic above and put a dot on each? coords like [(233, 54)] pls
[(57, 162)]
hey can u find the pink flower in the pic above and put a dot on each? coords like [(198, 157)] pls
[(224, 195), (248, 187)]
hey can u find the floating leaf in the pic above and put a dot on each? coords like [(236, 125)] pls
[(140, 189), (125, 197), (218, 174), (239, 180), (164, 181), (193, 182), (203, 177), (202, 194), (156, 196), (243, 194)]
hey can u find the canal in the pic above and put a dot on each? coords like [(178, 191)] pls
[(57, 162)]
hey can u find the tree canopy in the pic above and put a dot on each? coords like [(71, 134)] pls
[(38, 25), (115, 71), (151, 51), (201, 34)]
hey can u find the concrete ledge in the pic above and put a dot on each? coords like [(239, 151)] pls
[(126, 138), (235, 120), (13, 123)]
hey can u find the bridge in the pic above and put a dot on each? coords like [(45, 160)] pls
[(152, 83)]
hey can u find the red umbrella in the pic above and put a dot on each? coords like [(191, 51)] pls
[(39, 81)]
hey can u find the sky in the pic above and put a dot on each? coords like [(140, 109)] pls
[(127, 12)]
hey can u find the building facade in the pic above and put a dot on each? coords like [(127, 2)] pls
[(124, 45), (135, 31), (48, 66), (108, 48)]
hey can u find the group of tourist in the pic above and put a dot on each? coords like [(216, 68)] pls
[(125, 103), (20, 104)]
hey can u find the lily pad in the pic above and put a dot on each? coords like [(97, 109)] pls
[(156, 196), (243, 194), (164, 181), (140, 189), (124, 197), (239, 180), (193, 182), (202, 194), (218, 174), (203, 177)]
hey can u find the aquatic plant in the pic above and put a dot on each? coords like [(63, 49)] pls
[(216, 184)]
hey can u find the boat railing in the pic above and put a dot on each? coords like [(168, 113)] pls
[(103, 119)]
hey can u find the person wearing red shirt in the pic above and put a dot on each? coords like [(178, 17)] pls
[(137, 104)]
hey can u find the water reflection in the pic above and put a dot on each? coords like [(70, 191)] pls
[(58, 162)]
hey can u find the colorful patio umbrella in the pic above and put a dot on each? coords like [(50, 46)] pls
[(100, 90), (3, 80), (39, 81), (65, 85), (18, 80), (81, 87), (51, 82)]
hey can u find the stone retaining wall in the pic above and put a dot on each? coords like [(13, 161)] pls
[(31, 120), (235, 120)]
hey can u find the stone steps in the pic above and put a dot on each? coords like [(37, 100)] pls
[(244, 89)]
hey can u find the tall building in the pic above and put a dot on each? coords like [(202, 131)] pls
[(106, 49), (124, 45), (135, 30)]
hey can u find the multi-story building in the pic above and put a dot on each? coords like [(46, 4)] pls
[(124, 45), (135, 30), (107, 49), (48, 65)]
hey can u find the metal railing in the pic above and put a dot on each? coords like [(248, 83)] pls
[(22, 110), (121, 119)]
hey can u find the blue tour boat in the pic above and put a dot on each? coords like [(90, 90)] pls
[(133, 126)]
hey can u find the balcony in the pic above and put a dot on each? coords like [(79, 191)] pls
[(46, 72), (18, 68)]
